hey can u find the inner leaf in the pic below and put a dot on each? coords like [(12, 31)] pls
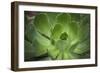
[(64, 36)]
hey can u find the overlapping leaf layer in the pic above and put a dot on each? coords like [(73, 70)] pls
[(57, 36)]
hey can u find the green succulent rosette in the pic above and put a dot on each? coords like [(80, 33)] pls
[(57, 36)]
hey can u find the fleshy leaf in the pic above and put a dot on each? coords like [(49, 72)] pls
[(59, 57), (66, 56), (39, 48), (42, 40), (82, 47), (57, 31), (42, 24), (53, 52), (76, 17), (30, 33), (33, 50), (52, 19), (72, 31), (29, 50), (64, 19), (84, 29), (62, 44), (64, 36)]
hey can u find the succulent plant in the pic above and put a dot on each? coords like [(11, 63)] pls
[(57, 36)]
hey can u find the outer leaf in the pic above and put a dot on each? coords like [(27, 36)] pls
[(52, 19), (35, 43), (64, 19), (75, 17), (72, 31), (82, 47), (29, 50), (42, 24), (53, 52), (66, 56), (59, 57), (39, 48), (30, 33), (42, 40), (84, 30), (69, 54), (34, 50)]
